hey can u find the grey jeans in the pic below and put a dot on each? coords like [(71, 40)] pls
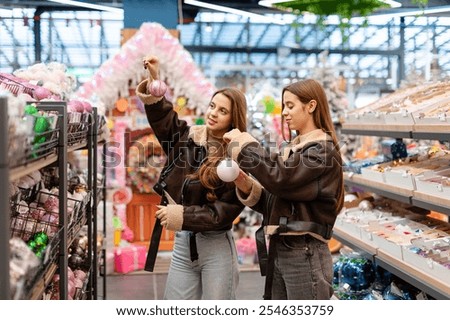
[(303, 269), (214, 276)]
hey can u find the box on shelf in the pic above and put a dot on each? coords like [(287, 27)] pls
[(389, 236), (400, 177), (374, 173), (430, 256), (434, 114), (403, 117), (434, 183), (130, 258)]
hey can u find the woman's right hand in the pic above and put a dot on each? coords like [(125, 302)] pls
[(151, 63)]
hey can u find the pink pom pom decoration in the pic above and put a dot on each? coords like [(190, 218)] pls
[(157, 88)]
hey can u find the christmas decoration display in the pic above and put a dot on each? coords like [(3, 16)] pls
[(113, 77)]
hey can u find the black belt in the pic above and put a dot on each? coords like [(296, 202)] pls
[(193, 246), (266, 259)]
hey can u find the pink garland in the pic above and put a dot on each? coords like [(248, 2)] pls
[(176, 63)]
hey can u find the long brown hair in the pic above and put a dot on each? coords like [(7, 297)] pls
[(207, 173), (307, 90)]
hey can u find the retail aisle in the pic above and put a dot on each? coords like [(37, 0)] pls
[(143, 285)]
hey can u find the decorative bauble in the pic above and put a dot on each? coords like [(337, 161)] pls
[(75, 261), (80, 274), (51, 202), (349, 197), (228, 170), (41, 93), (365, 205), (157, 88), (41, 238), (41, 125), (30, 109)]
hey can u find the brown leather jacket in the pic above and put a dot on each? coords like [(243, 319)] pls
[(185, 147), (304, 188)]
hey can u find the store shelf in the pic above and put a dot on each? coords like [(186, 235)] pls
[(393, 192), (379, 131), (403, 195), (432, 286), (353, 242), (21, 171), (436, 288), (67, 231)]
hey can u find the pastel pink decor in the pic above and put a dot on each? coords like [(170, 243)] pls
[(130, 258)]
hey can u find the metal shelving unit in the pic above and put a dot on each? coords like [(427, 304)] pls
[(58, 159), (437, 288), (434, 287), (4, 202)]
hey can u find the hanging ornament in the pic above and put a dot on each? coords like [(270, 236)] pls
[(122, 105), (157, 88)]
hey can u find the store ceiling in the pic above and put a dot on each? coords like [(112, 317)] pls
[(191, 11)]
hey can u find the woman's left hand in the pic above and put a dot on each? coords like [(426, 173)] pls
[(161, 214)]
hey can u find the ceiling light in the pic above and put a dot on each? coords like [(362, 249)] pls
[(89, 6), (233, 11)]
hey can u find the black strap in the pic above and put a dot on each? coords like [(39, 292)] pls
[(154, 245), (261, 248), (309, 226), (270, 267), (193, 246)]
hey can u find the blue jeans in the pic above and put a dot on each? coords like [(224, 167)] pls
[(214, 276), (303, 269)]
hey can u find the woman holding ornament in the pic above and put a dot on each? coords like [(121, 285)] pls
[(195, 203), (299, 192)]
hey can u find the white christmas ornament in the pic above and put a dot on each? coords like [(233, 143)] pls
[(228, 170)]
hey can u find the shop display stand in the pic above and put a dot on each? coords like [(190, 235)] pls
[(60, 160), (437, 288)]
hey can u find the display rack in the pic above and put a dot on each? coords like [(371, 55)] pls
[(4, 202), (437, 288), (66, 234)]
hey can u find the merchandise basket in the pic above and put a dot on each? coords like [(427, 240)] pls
[(34, 145), (31, 230), (77, 127), (13, 85)]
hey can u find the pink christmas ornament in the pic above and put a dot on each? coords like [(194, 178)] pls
[(228, 170), (157, 88), (41, 93), (51, 202), (87, 106)]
